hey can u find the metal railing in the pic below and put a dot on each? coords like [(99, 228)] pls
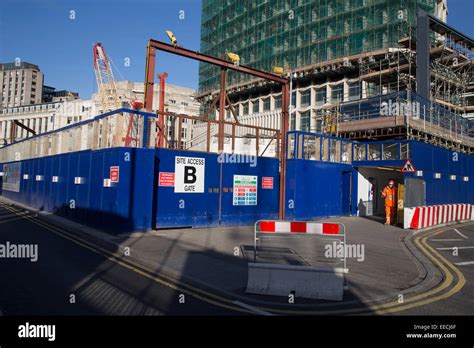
[(193, 133), (421, 114), (132, 128), (325, 148), (104, 131)]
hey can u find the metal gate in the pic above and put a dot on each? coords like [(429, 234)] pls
[(415, 192), (196, 186)]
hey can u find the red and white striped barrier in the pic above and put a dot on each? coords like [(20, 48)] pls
[(267, 275), (434, 215), (298, 227)]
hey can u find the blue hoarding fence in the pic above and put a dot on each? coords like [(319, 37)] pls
[(78, 186), (126, 189)]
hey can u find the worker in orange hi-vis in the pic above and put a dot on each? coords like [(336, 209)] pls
[(390, 195)]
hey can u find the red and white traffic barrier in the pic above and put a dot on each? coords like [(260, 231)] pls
[(267, 275), (298, 227), (434, 215)]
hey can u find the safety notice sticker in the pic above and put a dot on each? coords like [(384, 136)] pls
[(189, 174), (114, 174), (267, 183), (11, 176), (245, 190), (166, 179)]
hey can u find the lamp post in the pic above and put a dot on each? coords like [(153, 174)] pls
[(291, 76)]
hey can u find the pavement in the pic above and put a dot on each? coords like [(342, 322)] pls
[(151, 273)]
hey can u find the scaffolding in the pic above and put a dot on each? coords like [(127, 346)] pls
[(393, 75), (297, 33)]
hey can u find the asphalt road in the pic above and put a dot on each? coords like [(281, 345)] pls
[(64, 268), (72, 277)]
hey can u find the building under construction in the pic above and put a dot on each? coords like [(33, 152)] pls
[(362, 69), (391, 103)]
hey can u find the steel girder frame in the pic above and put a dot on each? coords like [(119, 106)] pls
[(154, 45)]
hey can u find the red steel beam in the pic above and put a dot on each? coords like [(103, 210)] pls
[(161, 117), (149, 77), (214, 61)]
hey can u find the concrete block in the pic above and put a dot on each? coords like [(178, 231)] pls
[(407, 217), (307, 282)]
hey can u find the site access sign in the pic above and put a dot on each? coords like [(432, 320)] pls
[(189, 174)]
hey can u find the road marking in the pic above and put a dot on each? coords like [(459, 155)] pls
[(10, 215), (11, 219), (390, 307), (451, 248), (446, 240), (465, 263), (252, 308), (462, 235)]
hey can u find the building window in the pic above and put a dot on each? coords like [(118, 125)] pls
[(266, 104), (293, 121), (321, 95), (278, 102), (293, 99), (305, 98), (337, 93), (245, 108), (354, 91), (255, 107), (305, 121)]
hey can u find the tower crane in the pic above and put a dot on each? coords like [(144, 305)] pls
[(106, 86), (108, 94)]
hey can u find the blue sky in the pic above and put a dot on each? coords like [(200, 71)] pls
[(42, 32)]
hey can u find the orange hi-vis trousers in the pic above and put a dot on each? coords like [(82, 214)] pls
[(389, 215), (390, 203)]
